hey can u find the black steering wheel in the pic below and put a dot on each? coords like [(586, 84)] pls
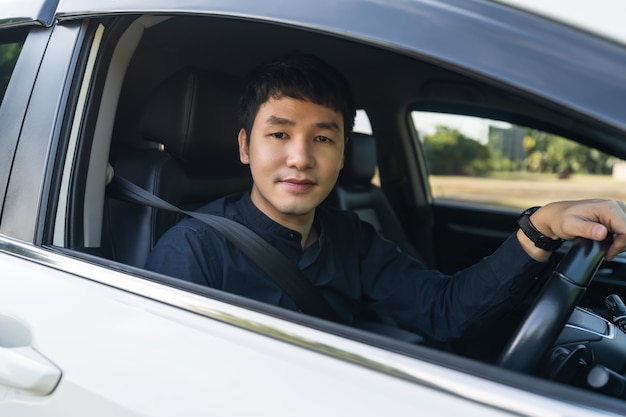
[(548, 314)]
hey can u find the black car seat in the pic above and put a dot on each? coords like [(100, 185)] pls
[(187, 155), (356, 192)]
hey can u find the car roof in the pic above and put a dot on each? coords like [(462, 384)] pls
[(600, 17)]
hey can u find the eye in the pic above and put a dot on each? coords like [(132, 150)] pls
[(278, 135), (323, 139)]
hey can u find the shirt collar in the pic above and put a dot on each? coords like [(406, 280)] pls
[(286, 240), (255, 219)]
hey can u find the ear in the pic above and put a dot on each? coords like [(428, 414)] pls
[(244, 154)]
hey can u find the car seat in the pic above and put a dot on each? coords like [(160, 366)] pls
[(187, 155), (355, 191)]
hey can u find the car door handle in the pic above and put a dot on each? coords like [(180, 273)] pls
[(25, 369)]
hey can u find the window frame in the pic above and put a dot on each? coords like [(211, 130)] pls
[(16, 99)]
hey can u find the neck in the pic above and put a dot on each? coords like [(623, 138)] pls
[(301, 223)]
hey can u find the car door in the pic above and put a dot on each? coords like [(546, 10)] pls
[(81, 337), (78, 339), (489, 152), (485, 172), (81, 334)]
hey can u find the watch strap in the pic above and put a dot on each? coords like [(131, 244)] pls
[(540, 241)]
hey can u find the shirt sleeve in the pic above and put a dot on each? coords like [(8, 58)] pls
[(440, 306)]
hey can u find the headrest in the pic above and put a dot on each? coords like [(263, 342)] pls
[(360, 160), (194, 115)]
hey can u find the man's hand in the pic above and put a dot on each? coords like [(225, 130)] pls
[(591, 219)]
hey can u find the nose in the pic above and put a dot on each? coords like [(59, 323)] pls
[(299, 154)]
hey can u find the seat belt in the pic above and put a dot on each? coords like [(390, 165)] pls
[(285, 274)]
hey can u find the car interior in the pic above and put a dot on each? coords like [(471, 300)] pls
[(161, 113), (198, 162)]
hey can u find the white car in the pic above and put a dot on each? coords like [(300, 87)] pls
[(96, 90)]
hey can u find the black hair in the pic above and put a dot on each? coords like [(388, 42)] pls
[(299, 76)]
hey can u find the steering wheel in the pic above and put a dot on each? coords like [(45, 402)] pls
[(548, 314)]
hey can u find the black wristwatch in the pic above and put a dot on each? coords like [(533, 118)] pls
[(540, 241)]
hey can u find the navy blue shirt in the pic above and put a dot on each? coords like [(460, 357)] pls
[(354, 267)]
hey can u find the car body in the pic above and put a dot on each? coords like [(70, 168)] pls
[(85, 330)]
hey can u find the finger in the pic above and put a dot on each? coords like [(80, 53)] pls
[(618, 246), (604, 218), (584, 228)]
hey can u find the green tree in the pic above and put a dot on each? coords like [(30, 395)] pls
[(555, 154), (8, 57), (448, 152)]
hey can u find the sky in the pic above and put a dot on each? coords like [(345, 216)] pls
[(471, 127), (426, 123), (603, 17)]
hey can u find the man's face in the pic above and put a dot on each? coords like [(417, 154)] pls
[(295, 154)]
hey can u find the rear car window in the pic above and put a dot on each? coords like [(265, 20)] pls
[(9, 51)]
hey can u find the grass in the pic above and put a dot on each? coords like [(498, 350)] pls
[(521, 190)]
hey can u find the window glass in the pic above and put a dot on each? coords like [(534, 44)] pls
[(9, 51), (362, 125), (362, 122), (494, 163)]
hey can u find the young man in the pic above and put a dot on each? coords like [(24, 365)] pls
[(296, 115)]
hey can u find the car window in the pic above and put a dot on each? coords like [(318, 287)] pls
[(362, 122), (11, 43), (494, 163), (9, 51), (362, 125)]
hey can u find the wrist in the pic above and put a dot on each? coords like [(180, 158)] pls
[(534, 235), (529, 247)]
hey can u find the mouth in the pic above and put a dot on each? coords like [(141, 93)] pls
[(298, 185)]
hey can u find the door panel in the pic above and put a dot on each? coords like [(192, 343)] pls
[(125, 355), (465, 233)]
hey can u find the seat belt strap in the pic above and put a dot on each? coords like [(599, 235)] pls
[(283, 272)]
